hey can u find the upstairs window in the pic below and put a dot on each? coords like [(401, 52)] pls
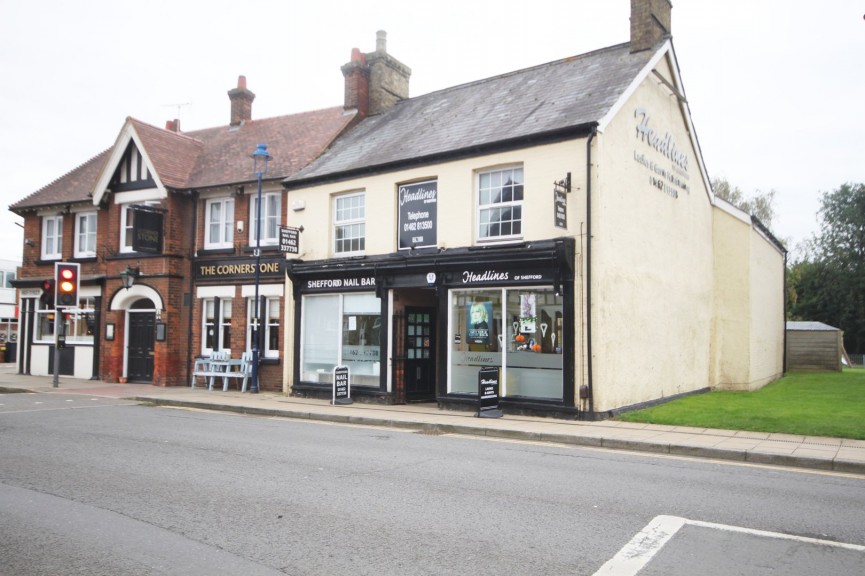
[(271, 214), (127, 224), (52, 237), (500, 204), (85, 235), (349, 224), (219, 231)]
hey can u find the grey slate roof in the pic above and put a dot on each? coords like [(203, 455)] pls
[(531, 103)]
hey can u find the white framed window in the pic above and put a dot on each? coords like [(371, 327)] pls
[(219, 226), (269, 318), (500, 204), (349, 224), (52, 237), (271, 214), (85, 234), (216, 325)]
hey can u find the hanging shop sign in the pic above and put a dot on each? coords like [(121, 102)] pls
[(289, 239), (561, 189), (147, 229), (418, 215), (269, 267)]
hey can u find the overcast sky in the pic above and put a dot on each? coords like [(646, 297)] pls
[(776, 87)]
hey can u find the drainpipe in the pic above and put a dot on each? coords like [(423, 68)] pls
[(193, 196), (589, 268)]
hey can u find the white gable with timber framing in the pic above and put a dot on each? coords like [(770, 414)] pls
[(129, 172)]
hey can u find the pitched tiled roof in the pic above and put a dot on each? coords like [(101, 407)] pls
[(531, 103), (209, 157)]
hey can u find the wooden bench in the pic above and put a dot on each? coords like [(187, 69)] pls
[(221, 365)]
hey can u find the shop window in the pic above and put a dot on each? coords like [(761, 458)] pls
[(216, 321), (349, 225), (269, 324), (52, 237), (341, 330), (519, 330), (219, 227), (500, 204), (85, 235), (271, 214)]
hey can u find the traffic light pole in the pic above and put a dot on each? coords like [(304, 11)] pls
[(58, 327)]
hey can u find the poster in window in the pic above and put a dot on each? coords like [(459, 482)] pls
[(478, 320), (528, 313)]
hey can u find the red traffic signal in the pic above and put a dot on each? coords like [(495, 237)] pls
[(66, 284)]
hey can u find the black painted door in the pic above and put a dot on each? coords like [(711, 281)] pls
[(419, 354), (139, 366)]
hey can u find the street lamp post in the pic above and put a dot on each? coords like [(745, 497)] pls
[(260, 159)]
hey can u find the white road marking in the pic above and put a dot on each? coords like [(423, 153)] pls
[(637, 553)]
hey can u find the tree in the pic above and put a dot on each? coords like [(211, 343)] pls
[(759, 204), (827, 284)]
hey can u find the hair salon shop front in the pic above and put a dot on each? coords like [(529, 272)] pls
[(419, 327)]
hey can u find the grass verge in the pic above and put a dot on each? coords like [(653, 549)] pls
[(807, 403)]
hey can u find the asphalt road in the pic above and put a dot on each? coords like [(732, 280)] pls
[(102, 486)]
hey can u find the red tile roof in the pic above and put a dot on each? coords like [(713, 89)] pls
[(207, 158)]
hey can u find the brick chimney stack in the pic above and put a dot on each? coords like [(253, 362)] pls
[(241, 102), (375, 81), (173, 125), (650, 23)]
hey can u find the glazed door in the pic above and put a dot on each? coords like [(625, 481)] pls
[(139, 362), (419, 354)]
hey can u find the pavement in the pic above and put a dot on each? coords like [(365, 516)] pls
[(809, 452)]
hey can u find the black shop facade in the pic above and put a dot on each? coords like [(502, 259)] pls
[(418, 326)]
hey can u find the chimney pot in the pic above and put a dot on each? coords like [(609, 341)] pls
[(381, 41)]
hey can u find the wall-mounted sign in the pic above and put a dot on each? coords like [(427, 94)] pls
[(498, 276), (147, 229), (418, 215), (289, 239), (342, 283), (240, 269), (669, 178)]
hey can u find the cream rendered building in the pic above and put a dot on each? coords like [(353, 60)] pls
[(556, 223)]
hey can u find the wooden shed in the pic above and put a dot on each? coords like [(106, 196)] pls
[(814, 346)]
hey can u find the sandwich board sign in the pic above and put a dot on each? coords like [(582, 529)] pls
[(341, 386), (488, 392)]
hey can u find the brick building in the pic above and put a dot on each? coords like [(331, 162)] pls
[(176, 212)]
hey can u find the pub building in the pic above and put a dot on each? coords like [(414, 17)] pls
[(555, 223), (164, 227)]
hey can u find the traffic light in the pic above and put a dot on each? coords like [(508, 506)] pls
[(66, 284), (47, 297)]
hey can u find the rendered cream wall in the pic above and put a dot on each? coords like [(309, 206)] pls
[(731, 350), (767, 311), (651, 261), (542, 165)]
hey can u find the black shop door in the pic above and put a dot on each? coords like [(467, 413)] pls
[(142, 326), (419, 354)]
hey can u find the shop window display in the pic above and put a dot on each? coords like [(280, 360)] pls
[(519, 330)]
